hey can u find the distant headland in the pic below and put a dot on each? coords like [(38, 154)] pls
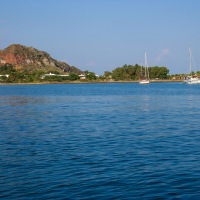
[(22, 64)]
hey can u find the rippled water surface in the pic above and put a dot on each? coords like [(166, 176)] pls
[(100, 141)]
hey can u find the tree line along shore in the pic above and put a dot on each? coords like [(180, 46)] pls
[(126, 73)]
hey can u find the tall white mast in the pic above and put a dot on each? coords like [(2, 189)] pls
[(146, 66), (190, 57)]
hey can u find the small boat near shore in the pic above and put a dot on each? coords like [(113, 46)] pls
[(144, 81), (191, 79)]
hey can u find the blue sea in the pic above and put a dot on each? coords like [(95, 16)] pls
[(100, 141)]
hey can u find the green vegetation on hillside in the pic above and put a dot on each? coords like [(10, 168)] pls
[(10, 75), (7, 69)]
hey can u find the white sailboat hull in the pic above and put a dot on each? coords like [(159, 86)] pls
[(144, 81), (192, 81)]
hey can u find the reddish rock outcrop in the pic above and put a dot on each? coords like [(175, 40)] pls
[(30, 59)]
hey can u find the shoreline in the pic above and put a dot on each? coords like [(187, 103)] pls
[(90, 82)]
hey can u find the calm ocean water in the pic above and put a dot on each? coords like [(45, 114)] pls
[(100, 141)]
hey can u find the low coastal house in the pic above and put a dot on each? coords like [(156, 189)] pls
[(50, 74), (82, 76)]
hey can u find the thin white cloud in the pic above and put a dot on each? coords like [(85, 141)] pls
[(164, 52)]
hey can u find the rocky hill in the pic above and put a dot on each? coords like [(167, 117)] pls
[(29, 59)]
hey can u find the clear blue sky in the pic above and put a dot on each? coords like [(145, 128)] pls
[(100, 35)]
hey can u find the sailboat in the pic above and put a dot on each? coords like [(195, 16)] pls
[(144, 79), (192, 79)]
